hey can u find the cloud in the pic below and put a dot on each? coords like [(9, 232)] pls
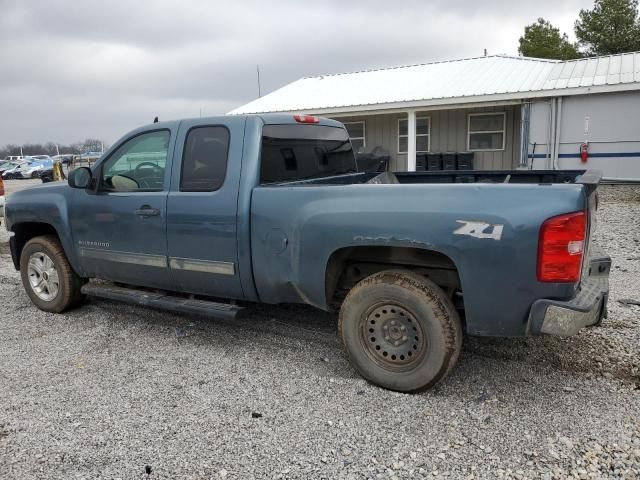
[(97, 69)]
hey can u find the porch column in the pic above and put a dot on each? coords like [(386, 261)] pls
[(411, 141)]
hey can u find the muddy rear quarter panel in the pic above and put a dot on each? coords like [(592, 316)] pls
[(295, 229)]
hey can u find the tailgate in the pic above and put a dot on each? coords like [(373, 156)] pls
[(596, 261)]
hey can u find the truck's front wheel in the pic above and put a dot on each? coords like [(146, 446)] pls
[(47, 276), (400, 330)]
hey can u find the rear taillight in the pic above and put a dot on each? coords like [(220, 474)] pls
[(1, 187), (306, 119), (561, 246)]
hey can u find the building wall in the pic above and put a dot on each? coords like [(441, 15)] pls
[(609, 122), (448, 134)]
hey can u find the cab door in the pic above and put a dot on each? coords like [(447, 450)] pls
[(119, 227), (202, 207)]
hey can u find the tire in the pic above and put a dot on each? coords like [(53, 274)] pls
[(400, 331), (42, 262)]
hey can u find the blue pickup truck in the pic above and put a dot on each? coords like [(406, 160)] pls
[(208, 215)]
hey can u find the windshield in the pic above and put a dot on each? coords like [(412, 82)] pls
[(298, 152)]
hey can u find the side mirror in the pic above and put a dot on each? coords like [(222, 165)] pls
[(79, 177)]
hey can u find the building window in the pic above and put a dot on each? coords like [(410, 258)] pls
[(486, 131), (423, 135), (356, 135)]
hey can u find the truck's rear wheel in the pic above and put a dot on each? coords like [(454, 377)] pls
[(48, 279), (400, 330)]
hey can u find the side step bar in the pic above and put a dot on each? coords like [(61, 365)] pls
[(162, 301)]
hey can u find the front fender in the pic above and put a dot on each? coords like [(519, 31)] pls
[(48, 205)]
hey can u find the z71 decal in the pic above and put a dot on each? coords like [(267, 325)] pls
[(479, 230)]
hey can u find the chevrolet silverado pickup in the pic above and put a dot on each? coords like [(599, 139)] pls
[(207, 215)]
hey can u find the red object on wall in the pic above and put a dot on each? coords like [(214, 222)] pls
[(584, 152)]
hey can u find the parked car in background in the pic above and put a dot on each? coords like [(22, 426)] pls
[(46, 175), (38, 163), (30, 167), (1, 197), (13, 171), (273, 209), (7, 165), (39, 158), (31, 170), (53, 174)]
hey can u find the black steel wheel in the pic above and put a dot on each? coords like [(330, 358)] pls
[(393, 337), (400, 330)]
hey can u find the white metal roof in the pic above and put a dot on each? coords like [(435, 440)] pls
[(491, 78)]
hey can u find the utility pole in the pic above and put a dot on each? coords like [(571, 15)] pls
[(258, 72)]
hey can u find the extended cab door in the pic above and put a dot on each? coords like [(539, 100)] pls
[(202, 207), (119, 227)]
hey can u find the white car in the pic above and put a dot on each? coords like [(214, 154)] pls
[(14, 171), (30, 168), (7, 165)]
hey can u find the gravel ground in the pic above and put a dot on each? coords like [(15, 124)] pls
[(11, 186), (114, 391)]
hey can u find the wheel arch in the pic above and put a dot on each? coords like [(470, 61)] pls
[(347, 266), (25, 231)]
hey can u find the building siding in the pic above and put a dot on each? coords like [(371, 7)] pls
[(613, 133), (448, 134)]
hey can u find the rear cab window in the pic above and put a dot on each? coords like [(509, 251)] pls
[(204, 160), (294, 152)]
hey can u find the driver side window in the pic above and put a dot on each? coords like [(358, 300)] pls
[(138, 164)]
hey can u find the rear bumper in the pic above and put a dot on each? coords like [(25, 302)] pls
[(587, 308)]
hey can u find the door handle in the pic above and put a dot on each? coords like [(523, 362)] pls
[(147, 211)]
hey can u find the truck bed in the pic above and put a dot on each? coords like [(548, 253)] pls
[(464, 176), (422, 210)]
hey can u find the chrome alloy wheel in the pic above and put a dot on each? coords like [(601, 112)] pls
[(43, 276)]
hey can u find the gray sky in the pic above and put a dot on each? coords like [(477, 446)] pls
[(88, 68)]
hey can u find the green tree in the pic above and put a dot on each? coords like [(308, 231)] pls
[(543, 40), (611, 27)]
